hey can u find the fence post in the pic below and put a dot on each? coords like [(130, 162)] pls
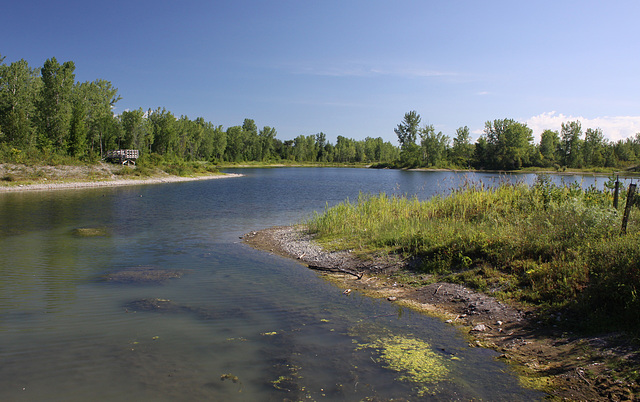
[(627, 208)]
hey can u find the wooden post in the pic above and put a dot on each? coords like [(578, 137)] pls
[(631, 195), (616, 193)]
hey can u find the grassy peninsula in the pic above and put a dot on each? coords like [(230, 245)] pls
[(557, 249)]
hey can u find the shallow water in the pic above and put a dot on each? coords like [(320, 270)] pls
[(269, 327)]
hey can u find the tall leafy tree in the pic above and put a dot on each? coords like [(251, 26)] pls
[(549, 147), (165, 133), (78, 130), (133, 125), (434, 145), (235, 144), (19, 87), (571, 143), (251, 147), (219, 140), (593, 151), (509, 144), (407, 133), (98, 98), (462, 149), (56, 103), (267, 135), (345, 150), (373, 149), (321, 140)]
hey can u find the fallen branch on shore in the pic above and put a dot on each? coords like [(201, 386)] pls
[(334, 269)]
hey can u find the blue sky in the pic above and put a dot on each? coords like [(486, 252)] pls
[(350, 68)]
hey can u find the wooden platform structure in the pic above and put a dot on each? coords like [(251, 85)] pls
[(123, 156)]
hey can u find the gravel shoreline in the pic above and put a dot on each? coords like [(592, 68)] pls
[(108, 183)]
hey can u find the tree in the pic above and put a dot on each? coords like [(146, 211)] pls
[(549, 146), (570, 144), (133, 127), (509, 144), (321, 141), (251, 147), (190, 136), (19, 87), (407, 132), (235, 143), (434, 146), (219, 142), (99, 97), (78, 130), (213, 143), (165, 134), (462, 150), (55, 103), (266, 136), (345, 150), (593, 147)]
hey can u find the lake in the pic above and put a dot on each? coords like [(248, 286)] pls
[(228, 322)]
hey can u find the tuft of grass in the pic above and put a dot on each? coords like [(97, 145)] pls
[(545, 245)]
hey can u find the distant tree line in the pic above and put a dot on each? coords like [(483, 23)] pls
[(45, 109), (508, 145)]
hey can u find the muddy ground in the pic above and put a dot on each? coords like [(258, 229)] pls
[(566, 365)]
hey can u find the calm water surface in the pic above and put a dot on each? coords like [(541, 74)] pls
[(270, 326)]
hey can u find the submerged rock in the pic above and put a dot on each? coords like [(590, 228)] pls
[(168, 306), (90, 232), (143, 275), (165, 305)]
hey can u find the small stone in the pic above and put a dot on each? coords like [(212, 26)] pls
[(499, 322), (479, 328), (449, 321), (392, 298)]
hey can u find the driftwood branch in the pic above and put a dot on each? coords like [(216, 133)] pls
[(334, 269)]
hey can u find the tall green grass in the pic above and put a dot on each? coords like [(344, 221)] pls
[(547, 245)]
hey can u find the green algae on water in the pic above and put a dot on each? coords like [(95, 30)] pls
[(413, 358)]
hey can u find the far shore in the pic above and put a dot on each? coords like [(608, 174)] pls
[(66, 185)]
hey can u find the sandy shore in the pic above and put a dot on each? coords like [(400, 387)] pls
[(108, 183)]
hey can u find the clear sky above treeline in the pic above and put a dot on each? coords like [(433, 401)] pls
[(350, 68)]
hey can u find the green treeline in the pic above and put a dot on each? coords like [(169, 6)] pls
[(508, 145), (45, 111)]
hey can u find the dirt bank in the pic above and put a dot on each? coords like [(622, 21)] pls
[(565, 365), (33, 178)]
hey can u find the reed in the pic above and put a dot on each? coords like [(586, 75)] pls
[(546, 245)]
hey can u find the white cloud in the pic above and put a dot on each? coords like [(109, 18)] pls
[(614, 127)]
